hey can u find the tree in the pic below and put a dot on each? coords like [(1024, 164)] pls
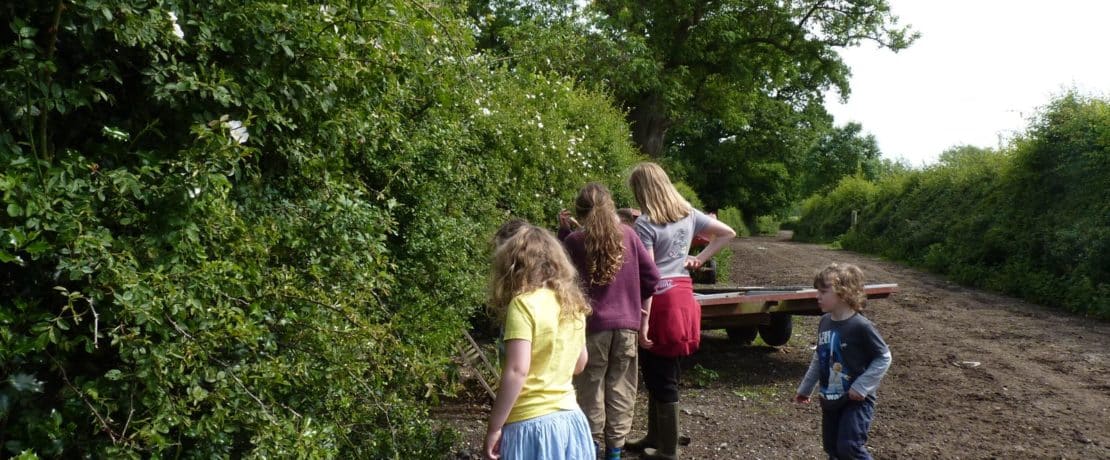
[(752, 168), (841, 151), (689, 74), (674, 62)]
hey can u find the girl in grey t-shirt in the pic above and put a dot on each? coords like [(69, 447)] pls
[(666, 228)]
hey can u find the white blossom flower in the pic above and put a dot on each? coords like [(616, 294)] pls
[(486, 111), (238, 132), (176, 27)]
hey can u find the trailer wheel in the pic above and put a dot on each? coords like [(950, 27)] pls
[(778, 331), (707, 274), (741, 335)]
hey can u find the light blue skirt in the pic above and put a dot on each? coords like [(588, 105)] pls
[(563, 435)]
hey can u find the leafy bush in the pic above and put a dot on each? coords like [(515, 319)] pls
[(1032, 220), (826, 217), (256, 229), (735, 219), (689, 194), (767, 225)]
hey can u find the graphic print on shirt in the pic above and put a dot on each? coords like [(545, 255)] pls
[(681, 249), (828, 352)]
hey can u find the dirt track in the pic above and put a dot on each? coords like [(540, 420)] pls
[(1041, 390)]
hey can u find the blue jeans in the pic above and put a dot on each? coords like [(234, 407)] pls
[(844, 429)]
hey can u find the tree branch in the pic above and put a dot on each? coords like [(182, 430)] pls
[(51, 41), (105, 426)]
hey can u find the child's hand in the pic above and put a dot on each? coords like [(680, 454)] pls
[(645, 343), (492, 448), (566, 221), (855, 396), (693, 263), (801, 399)]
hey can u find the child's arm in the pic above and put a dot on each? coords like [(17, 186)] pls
[(721, 234), (809, 381), (518, 360), (645, 316), (583, 358), (868, 381), (649, 277)]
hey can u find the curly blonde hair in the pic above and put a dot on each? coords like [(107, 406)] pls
[(656, 194), (846, 280), (529, 259), (604, 239)]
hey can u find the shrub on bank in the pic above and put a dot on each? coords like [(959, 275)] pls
[(1032, 220), (236, 229)]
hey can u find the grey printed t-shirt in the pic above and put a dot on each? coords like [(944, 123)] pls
[(670, 243)]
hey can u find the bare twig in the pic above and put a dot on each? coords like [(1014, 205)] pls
[(96, 323), (385, 412), (106, 427)]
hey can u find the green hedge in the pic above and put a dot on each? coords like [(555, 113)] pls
[(172, 287), (1032, 220), (734, 218)]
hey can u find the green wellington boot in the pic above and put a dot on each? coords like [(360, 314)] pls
[(649, 439), (666, 435)]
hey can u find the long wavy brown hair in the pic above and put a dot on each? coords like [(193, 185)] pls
[(604, 239), (529, 259)]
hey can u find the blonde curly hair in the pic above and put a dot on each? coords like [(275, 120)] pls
[(846, 280), (529, 259)]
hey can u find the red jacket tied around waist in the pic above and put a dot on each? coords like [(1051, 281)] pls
[(674, 326)]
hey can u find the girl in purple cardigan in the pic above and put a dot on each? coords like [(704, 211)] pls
[(619, 277)]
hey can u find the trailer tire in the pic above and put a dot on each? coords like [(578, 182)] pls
[(742, 335), (777, 332), (707, 274)]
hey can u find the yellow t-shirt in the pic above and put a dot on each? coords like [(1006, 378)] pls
[(534, 316)]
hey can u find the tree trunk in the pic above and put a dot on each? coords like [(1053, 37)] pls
[(649, 124)]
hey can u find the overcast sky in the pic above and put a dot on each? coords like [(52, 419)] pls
[(979, 70)]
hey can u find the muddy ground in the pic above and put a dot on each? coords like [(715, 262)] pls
[(1041, 388)]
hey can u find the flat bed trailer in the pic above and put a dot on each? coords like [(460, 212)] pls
[(745, 311)]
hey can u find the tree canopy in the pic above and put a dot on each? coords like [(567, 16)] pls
[(692, 74)]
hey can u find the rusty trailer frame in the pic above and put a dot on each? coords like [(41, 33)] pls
[(723, 308)]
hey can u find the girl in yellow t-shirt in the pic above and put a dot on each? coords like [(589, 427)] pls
[(534, 291)]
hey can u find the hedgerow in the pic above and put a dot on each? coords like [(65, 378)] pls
[(1032, 220), (255, 229)]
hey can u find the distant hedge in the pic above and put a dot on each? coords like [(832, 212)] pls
[(256, 229), (1032, 220)]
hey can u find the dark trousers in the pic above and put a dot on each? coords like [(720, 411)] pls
[(661, 375), (844, 429)]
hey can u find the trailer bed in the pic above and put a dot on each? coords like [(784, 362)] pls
[(754, 305)]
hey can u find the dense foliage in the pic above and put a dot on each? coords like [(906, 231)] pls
[(729, 94), (253, 228), (1032, 220)]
